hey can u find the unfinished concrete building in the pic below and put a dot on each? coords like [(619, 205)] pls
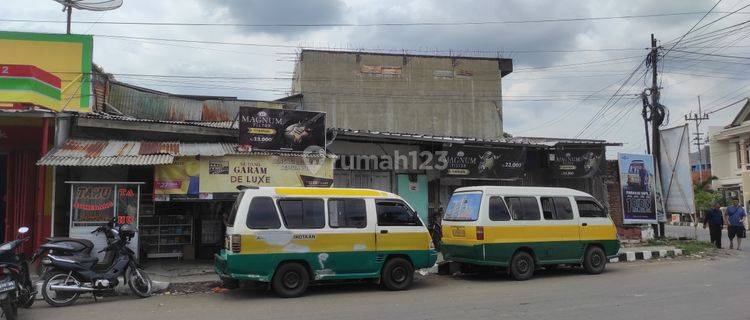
[(439, 95)]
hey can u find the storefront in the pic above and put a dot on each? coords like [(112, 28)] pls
[(185, 188)]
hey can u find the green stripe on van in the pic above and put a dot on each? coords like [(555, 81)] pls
[(499, 254)]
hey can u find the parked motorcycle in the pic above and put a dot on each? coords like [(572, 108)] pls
[(68, 277), (66, 247), (16, 289)]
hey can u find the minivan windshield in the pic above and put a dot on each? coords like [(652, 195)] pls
[(463, 206)]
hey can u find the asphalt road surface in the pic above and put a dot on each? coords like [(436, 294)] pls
[(668, 289)]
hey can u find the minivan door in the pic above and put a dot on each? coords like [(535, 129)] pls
[(595, 225), (399, 231)]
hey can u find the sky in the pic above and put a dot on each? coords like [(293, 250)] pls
[(566, 73)]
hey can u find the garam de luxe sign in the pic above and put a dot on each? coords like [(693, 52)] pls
[(272, 129)]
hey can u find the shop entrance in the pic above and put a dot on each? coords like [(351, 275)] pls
[(190, 230), (3, 193)]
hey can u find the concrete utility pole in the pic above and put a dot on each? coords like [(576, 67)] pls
[(698, 118), (656, 117)]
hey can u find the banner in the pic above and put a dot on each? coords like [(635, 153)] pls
[(485, 162), (224, 174), (93, 204), (578, 163), (66, 56), (180, 177), (637, 185), (281, 130), (675, 174)]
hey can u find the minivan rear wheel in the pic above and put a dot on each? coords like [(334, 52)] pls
[(290, 280), (522, 266), (594, 260)]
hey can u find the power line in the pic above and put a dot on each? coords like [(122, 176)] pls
[(695, 25), (726, 106), (378, 24)]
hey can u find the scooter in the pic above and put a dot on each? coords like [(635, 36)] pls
[(16, 289), (64, 246), (70, 276)]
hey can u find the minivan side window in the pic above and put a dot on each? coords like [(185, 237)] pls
[(347, 213), (556, 208), (590, 209), (391, 213), (303, 213), (498, 209), (262, 214), (523, 208)]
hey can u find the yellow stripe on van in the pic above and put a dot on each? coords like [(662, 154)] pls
[(466, 235), (265, 242), (342, 192)]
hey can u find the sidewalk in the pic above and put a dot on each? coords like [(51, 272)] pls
[(181, 271)]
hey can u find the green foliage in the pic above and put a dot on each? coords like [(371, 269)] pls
[(705, 198)]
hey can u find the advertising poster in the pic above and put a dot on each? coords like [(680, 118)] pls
[(485, 163), (180, 177), (225, 174), (638, 188), (578, 163), (281, 130), (93, 204)]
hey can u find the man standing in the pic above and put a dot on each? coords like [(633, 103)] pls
[(736, 227), (714, 220)]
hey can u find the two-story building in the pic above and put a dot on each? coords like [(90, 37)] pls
[(730, 160)]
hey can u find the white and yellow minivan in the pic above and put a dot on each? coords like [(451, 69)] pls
[(522, 228), (293, 236)]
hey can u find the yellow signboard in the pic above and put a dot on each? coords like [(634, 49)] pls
[(225, 174), (66, 56)]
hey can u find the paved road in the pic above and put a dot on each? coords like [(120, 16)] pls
[(656, 290)]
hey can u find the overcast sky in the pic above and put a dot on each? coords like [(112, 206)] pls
[(537, 101)]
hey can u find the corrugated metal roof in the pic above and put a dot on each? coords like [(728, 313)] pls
[(215, 124), (532, 141), (84, 152)]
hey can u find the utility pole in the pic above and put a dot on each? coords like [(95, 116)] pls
[(70, 14), (656, 117), (698, 118)]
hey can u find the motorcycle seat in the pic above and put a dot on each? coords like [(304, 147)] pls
[(84, 242)]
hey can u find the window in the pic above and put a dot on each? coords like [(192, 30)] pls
[(590, 209), (523, 208), (303, 213), (229, 222), (347, 213), (396, 214), (498, 210), (262, 214), (556, 208), (463, 207)]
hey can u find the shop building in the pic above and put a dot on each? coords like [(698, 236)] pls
[(730, 156)]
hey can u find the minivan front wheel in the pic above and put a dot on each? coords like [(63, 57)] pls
[(522, 266), (290, 280), (594, 260), (397, 274)]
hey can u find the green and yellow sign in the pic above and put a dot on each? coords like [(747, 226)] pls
[(64, 56)]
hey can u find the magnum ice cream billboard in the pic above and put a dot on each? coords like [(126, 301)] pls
[(485, 163), (281, 130)]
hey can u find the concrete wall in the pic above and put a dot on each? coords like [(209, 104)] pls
[(413, 94), (723, 155)]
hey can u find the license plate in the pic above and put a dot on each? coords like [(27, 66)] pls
[(459, 232), (7, 285)]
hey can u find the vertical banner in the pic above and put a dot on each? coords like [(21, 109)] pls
[(638, 188), (676, 177)]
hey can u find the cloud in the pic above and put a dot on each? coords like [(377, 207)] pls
[(280, 12)]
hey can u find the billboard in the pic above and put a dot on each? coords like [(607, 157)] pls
[(638, 188), (674, 171), (188, 176), (281, 130), (485, 163), (28, 85), (66, 56), (578, 162)]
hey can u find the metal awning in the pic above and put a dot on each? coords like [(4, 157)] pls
[(104, 153)]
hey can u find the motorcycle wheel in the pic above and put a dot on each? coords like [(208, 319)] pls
[(26, 295), (9, 308), (139, 282), (60, 299)]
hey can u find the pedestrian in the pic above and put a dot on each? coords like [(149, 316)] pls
[(714, 220), (736, 223)]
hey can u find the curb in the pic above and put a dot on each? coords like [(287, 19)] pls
[(630, 256)]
